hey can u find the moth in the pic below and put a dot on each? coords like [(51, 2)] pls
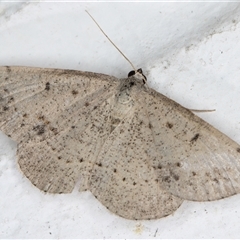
[(139, 153)]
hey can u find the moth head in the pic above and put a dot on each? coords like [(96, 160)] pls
[(138, 74)]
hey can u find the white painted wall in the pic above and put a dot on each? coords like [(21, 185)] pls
[(189, 51)]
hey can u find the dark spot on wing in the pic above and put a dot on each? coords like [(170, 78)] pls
[(74, 92), (114, 170), (195, 137), (215, 180), (150, 125), (194, 173), (124, 179), (238, 150), (5, 108), (167, 179), (47, 87), (99, 164), (54, 130), (6, 90), (87, 104), (81, 160), (169, 125), (40, 129), (176, 177), (41, 117), (115, 121), (178, 164), (159, 166)]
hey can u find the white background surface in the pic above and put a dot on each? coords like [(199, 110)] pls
[(189, 51)]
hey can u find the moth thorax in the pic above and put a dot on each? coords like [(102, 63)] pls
[(123, 104)]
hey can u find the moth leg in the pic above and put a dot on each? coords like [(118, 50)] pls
[(201, 110)]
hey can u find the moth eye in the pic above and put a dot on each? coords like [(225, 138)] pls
[(131, 73)]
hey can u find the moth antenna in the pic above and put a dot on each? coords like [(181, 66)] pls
[(111, 41)]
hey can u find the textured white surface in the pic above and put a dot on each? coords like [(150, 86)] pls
[(189, 52)]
